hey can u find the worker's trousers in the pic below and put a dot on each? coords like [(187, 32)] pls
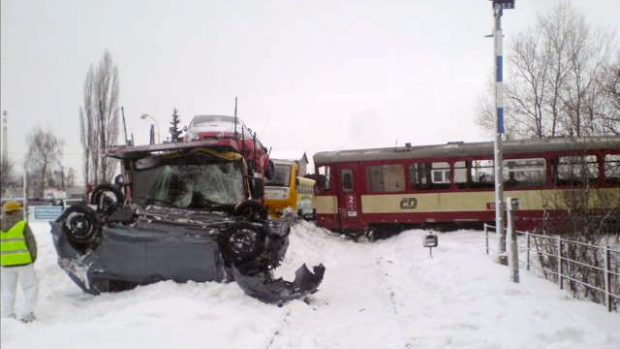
[(28, 281)]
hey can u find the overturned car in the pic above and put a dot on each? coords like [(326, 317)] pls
[(184, 211)]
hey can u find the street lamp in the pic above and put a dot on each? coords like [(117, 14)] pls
[(144, 116), (498, 7)]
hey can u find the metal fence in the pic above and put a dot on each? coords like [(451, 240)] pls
[(590, 271)]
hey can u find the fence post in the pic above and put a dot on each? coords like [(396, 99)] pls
[(513, 251), (527, 239), (486, 237), (559, 246), (607, 266)]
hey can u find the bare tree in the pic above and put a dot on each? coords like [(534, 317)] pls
[(556, 78), (7, 173), (611, 90), (70, 177), (99, 119), (44, 153)]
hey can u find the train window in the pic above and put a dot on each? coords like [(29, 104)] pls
[(441, 174), (386, 178), (347, 180), (612, 168), (482, 174), (461, 173), (428, 175), (420, 175), (575, 169), (524, 172), (474, 174), (324, 179)]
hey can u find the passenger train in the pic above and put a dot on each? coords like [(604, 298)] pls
[(390, 189)]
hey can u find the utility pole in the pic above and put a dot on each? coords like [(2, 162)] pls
[(498, 8), (3, 149), (5, 133)]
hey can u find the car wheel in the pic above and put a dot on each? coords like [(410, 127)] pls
[(251, 210), (107, 197), (242, 243), (81, 226)]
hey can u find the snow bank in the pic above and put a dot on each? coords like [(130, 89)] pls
[(388, 294)]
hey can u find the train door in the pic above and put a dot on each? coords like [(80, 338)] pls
[(348, 200)]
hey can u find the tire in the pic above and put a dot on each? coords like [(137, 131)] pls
[(81, 226), (242, 243), (102, 199), (251, 210)]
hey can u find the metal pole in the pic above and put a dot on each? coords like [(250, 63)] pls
[(497, 145), (25, 192), (486, 237), (608, 301), (144, 116), (513, 259), (4, 151), (124, 126), (62, 177), (3, 146), (152, 134), (559, 247), (527, 239), (235, 117)]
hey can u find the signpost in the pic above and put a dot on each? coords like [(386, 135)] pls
[(431, 241)]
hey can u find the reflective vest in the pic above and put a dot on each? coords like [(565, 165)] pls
[(13, 248)]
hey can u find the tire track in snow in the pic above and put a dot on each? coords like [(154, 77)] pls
[(395, 301), (279, 329), (357, 287)]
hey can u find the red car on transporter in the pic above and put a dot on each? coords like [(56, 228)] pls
[(211, 126)]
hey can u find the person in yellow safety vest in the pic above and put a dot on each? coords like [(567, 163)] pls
[(17, 255)]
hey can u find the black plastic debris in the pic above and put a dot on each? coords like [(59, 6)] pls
[(262, 285)]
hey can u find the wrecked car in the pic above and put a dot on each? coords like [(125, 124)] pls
[(182, 212)]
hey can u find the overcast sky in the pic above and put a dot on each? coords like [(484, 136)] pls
[(310, 75)]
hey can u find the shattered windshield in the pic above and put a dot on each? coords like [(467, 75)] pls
[(190, 185)]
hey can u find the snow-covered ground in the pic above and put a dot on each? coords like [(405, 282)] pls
[(388, 294)]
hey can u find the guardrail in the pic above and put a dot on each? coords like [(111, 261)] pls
[(590, 269)]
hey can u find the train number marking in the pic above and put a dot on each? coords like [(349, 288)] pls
[(408, 203)]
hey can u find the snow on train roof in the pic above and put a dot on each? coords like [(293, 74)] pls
[(470, 149)]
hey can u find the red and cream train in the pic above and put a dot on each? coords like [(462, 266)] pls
[(387, 189)]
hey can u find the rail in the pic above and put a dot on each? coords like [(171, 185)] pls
[(596, 268)]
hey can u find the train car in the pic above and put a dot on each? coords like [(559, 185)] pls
[(289, 190), (387, 189)]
